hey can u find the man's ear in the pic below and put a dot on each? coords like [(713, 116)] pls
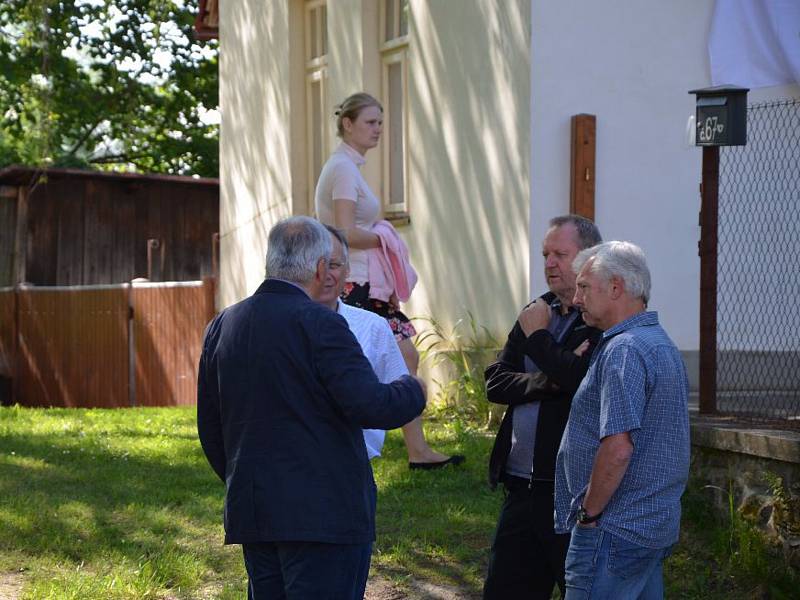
[(616, 287), (322, 270)]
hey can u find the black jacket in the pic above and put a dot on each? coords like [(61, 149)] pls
[(561, 372), (283, 394)]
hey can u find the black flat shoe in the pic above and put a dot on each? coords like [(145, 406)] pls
[(454, 460)]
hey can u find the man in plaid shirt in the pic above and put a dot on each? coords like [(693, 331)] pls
[(624, 457)]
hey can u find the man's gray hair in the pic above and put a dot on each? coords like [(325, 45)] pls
[(588, 233), (339, 235), (618, 259), (294, 248)]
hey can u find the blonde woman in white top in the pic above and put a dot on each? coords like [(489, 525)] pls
[(344, 200)]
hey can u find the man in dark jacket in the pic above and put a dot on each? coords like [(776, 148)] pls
[(536, 374), (283, 394)]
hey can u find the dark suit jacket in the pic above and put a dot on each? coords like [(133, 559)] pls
[(283, 394), (561, 372)]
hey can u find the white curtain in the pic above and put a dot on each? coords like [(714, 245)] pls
[(755, 43)]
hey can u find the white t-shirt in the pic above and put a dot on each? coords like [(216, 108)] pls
[(379, 346), (341, 179)]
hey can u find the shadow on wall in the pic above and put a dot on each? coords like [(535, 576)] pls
[(473, 180), (254, 141)]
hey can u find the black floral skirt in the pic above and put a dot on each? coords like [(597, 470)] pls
[(356, 294)]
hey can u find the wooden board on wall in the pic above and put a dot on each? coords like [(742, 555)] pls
[(206, 219), (8, 332), (21, 236), (100, 229), (41, 238), (582, 165), (123, 200), (86, 231), (70, 201), (8, 218)]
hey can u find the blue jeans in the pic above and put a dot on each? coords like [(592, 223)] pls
[(601, 565)]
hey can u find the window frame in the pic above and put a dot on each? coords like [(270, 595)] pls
[(394, 51), (316, 71)]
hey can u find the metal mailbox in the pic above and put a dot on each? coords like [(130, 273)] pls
[(721, 116)]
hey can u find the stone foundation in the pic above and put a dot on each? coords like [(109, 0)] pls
[(760, 466)]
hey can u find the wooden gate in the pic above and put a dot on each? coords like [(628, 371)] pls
[(104, 346), (168, 325)]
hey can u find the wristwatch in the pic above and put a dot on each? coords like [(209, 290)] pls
[(584, 518)]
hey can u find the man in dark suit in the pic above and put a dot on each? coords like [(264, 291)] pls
[(536, 374), (284, 392)]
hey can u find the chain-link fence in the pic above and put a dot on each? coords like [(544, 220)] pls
[(758, 285)]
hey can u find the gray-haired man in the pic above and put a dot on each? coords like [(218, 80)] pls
[(282, 396), (624, 458), (536, 374)]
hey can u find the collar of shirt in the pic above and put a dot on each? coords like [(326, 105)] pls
[(556, 305), (561, 322), (297, 285), (351, 153), (649, 317)]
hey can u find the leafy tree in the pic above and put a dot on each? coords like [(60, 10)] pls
[(110, 84)]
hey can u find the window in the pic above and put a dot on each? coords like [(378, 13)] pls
[(394, 91), (316, 64)]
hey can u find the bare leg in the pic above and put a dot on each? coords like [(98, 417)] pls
[(416, 446)]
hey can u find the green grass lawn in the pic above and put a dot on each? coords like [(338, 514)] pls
[(108, 504), (111, 504)]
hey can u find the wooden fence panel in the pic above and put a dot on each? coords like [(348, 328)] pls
[(73, 347), (168, 325), (8, 344), (8, 217)]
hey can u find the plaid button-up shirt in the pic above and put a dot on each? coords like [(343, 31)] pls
[(636, 383)]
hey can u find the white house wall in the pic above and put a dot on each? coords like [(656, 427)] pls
[(631, 64)]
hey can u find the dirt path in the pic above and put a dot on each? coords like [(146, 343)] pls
[(10, 585), (383, 589)]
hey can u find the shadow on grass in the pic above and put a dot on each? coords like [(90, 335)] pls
[(88, 500), (435, 525)]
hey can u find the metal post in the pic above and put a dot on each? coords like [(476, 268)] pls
[(708, 280)]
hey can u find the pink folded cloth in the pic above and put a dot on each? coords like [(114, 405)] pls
[(390, 269)]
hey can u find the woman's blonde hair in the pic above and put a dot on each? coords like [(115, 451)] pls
[(352, 107)]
